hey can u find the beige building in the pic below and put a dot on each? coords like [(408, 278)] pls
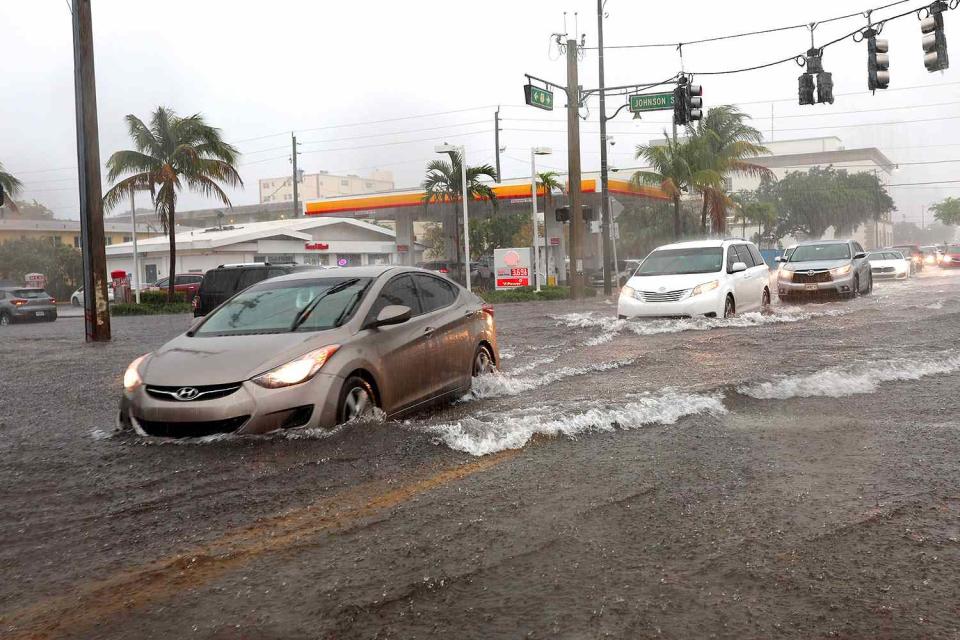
[(320, 185)]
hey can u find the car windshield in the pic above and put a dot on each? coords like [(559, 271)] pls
[(665, 262), (30, 294), (813, 252), (279, 307)]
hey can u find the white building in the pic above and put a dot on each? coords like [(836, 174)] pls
[(315, 186), (321, 240)]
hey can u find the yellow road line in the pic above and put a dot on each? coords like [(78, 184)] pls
[(88, 604)]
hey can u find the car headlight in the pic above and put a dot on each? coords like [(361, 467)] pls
[(785, 274), (841, 271), (706, 286), (947, 259), (627, 292), (131, 377), (296, 371)]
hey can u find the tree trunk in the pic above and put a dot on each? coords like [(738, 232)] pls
[(703, 216), (172, 230), (676, 217)]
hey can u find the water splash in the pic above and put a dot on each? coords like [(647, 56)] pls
[(838, 382), (479, 435), (498, 385)]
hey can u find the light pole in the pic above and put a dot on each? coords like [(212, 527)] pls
[(452, 149), (534, 152), (136, 255)]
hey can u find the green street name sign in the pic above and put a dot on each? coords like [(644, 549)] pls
[(540, 98), (651, 102)]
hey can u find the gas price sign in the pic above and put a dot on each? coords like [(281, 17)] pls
[(512, 267)]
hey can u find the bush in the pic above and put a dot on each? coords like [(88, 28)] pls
[(133, 309), (529, 294), (160, 297)]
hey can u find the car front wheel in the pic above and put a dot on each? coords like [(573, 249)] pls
[(357, 400), (729, 307)]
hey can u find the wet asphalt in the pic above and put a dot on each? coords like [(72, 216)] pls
[(784, 475)]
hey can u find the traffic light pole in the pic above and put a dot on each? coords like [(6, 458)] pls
[(606, 229), (296, 190), (573, 164), (95, 311)]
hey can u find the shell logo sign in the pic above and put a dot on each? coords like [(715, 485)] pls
[(512, 267)]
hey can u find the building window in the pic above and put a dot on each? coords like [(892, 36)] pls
[(130, 238), (378, 258), (369, 185), (316, 259), (76, 242), (109, 239), (57, 240), (346, 183)]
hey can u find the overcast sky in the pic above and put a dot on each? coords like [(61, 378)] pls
[(260, 70)]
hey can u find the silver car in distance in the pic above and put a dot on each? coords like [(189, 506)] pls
[(314, 349)]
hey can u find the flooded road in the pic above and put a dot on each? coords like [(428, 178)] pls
[(786, 474)]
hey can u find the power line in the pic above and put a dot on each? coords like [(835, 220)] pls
[(389, 144), (395, 133)]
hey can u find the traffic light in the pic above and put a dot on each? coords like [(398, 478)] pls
[(934, 41), (824, 84), (1, 195), (806, 89), (694, 100), (680, 105), (589, 215), (878, 61), (562, 214)]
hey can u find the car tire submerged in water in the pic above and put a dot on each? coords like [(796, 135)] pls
[(357, 400), (729, 307), (5, 320), (765, 300), (869, 285), (75, 301), (483, 362)]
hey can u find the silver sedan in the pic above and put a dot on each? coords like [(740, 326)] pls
[(314, 349)]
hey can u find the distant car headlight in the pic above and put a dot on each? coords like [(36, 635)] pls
[(296, 371), (947, 259), (785, 274), (627, 292), (841, 271), (706, 286), (131, 377)]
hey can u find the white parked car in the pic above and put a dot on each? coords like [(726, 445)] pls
[(718, 278), (76, 298), (887, 263)]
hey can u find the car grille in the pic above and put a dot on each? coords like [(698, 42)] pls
[(882, 270), (191, 429), (809, 277), (204, 392), (660, 296)]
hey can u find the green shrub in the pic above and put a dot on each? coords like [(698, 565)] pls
[(529, 294), (133, 309), (160, 297)]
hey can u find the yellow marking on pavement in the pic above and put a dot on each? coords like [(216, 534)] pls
[(122, 592)]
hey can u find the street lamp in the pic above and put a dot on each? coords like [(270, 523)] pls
[(534, 152), (451, 149)]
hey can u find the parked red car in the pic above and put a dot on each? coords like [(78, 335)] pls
[(185, 283), (951, 256)]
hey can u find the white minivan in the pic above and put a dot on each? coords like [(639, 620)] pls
[(717, 278)]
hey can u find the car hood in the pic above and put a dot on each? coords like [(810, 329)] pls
[(203, 360), (895, 262), (815, 264), (672, 282)]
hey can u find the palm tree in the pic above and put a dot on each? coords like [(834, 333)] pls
[(549, 181), (675, 166), (11, 187), (726, 143), (444, 183), (169, 153)]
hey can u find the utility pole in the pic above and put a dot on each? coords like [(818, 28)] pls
[(95, 312), (496, 140), (606, 229), (296, 190), (573, 170), (136, 255)]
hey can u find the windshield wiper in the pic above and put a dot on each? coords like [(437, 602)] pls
[(304, 313)]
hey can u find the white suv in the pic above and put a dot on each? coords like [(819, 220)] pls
[(711, 277)]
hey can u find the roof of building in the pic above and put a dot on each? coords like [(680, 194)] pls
[(820, 158), (247, 232)]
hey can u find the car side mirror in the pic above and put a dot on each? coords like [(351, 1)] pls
[(860, 256), (779, 259), (738, 267), (392, 314)]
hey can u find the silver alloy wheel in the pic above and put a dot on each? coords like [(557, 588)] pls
[(357, 404), (482, 363)]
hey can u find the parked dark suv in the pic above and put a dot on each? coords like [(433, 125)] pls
[(222, 283), (20, 304)]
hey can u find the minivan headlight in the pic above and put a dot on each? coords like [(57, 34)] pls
[(296, 371), (706, 286), (785, 274), (627, 292), (841, 271), (132, 378)]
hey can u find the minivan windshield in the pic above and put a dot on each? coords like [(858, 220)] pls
[(664, 262), (280, 307), (812, 252)]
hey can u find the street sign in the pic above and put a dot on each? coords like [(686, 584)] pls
[(537, 97), (651, 102), (615, 208)]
